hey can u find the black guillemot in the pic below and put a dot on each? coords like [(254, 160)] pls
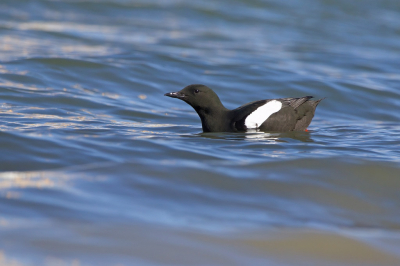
[(279, 115)]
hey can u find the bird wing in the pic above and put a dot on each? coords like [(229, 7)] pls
[(240, 114), (295, 102)]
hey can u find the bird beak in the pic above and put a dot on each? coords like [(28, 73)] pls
[(178, 95)]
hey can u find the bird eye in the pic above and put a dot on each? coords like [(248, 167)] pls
[(196, 91)]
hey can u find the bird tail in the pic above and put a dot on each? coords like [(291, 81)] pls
[(315, 103)]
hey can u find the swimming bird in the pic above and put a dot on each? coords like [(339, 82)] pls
[(277, 115)]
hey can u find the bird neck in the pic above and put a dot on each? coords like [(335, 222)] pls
[(213, 119)]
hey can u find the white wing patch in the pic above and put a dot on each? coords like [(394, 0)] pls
[(258, 116)]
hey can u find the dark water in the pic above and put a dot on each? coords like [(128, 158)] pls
[(99, 168)]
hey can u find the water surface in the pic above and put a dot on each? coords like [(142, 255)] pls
[(97, 167)]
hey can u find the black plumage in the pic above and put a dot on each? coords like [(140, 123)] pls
[(294, 114)]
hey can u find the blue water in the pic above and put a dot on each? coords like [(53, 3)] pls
[(98, 167)]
